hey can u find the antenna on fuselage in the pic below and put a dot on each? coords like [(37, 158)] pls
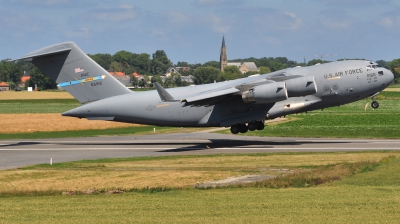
[(321, 56)]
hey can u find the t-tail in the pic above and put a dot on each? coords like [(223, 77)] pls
[(77, 73)]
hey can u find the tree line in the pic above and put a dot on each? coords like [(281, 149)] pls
[(158, 63)]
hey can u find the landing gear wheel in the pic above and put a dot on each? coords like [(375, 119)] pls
[(235, 129), (260, 125), (375, 104), (243, 128), (252, 126)]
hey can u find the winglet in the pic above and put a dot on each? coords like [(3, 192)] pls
[(164, 95)]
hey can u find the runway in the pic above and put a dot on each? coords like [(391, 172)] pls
[(18, 153)]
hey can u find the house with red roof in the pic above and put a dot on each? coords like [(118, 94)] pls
[(24, 79), (4, 87), (120, 76)]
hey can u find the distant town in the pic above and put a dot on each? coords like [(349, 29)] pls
[(142, 70)]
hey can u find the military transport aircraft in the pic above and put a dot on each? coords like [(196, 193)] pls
[(243, 104)]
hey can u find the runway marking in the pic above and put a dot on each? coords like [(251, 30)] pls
[(202, 148)]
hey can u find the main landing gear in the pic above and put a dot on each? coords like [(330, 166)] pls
[(243, 128)]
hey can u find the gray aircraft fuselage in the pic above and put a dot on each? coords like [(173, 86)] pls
[(243, 104), (337, 83)]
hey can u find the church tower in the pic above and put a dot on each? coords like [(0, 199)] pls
[(223, 59)]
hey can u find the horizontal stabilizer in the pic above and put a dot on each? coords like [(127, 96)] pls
[(164, 95)]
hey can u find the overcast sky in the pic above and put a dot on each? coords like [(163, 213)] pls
[(192, 30)]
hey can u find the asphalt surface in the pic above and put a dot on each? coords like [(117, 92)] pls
[(18, 153)]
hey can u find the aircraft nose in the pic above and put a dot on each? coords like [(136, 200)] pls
[(390, 76)]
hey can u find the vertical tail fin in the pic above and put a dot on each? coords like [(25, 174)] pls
[(77, 73)]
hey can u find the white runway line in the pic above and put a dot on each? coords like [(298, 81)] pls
[(202, 148)]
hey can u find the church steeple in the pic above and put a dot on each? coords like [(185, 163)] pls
[(223, 59)]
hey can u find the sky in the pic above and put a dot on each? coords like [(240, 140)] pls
[(192, 30)]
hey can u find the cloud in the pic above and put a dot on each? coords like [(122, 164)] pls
[(174, 18), (50, 3), (336, 19), (81, 33), (122, 13), (211, 3), (354, 3), (274, 20), (11, 22), (216, 23)]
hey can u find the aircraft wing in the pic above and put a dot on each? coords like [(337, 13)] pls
[(273, 83), (210, 94), (240, 86)]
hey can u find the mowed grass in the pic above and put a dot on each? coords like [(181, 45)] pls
[(370, 196), (169, 172), (37, 106), (355, 120), (24, 95)]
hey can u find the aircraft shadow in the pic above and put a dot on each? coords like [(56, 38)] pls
[(183, 146)]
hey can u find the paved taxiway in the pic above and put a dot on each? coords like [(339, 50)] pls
[(17, 153)]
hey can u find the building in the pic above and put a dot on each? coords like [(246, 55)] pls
[(4, 87), (249, 67), (245, 66), (223, 58), (24, 79), (120, 76)]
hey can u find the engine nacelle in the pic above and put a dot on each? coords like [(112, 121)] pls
[(302, 86), (267, 93)]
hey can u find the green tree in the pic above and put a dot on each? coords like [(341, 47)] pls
[(134, 80), (395, 68), (126, 58), (177, 79), (383, 63), (168, 82), (143, 62), (142, 83), (315, 61), (203, 75), (232, 72), (160, 63), (116, 66), (10, 72), (104, 60), (264, 70), (42, 81), (156, 78), (182, 64), (214, 64)]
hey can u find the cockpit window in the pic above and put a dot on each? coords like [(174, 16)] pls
[(371, 67)]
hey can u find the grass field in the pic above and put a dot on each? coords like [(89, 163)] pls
[(37, 106), (29, 123), (170, 172), (359, 187), (366, 196), (347, 121), (24, 95)]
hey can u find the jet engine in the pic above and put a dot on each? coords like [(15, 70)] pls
[(267, 93), (302, 86)]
